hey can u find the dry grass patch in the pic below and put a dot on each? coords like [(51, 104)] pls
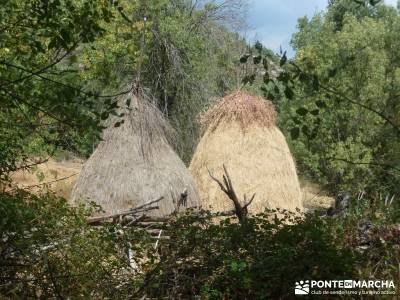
[(52, 175), (314, 197)]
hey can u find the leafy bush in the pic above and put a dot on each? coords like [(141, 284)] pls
[(49, 251), (263, 257), (257, 259), (372, 230)]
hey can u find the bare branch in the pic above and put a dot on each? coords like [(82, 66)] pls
[(247, 204), (217, 181), (227, 187), (134, 211)]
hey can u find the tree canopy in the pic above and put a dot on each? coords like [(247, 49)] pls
[(65, 67)]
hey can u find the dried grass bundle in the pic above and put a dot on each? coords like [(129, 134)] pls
[(135, 163), (258, 158), (241, 108), (140, 115)]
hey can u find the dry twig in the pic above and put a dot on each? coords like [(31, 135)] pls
[(227, 187), (142, 209)]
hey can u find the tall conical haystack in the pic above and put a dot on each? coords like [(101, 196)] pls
[(240, 132), (135, 164)]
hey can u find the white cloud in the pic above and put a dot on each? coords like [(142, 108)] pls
[(391, 2)]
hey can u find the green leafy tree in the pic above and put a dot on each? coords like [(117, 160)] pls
[(346, 109), (338, 98), (163, 46), (42, 99), (49, 251)]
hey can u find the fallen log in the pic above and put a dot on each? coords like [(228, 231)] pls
[(142, 209)]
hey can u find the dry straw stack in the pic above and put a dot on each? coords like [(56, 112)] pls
[(240, 132), (135, 164)]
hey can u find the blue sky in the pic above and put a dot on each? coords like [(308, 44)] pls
[(274, 21)]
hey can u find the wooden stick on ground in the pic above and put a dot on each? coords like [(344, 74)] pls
[(142, 209)]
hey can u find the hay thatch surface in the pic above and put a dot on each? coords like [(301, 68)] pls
[(258, 158), (241, 108), (135, 164)]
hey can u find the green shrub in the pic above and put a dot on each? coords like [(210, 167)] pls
[(263, 257), (257, 259), (49, 251)]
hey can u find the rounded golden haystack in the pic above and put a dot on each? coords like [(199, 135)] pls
[(240, 133), (135, 164)]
